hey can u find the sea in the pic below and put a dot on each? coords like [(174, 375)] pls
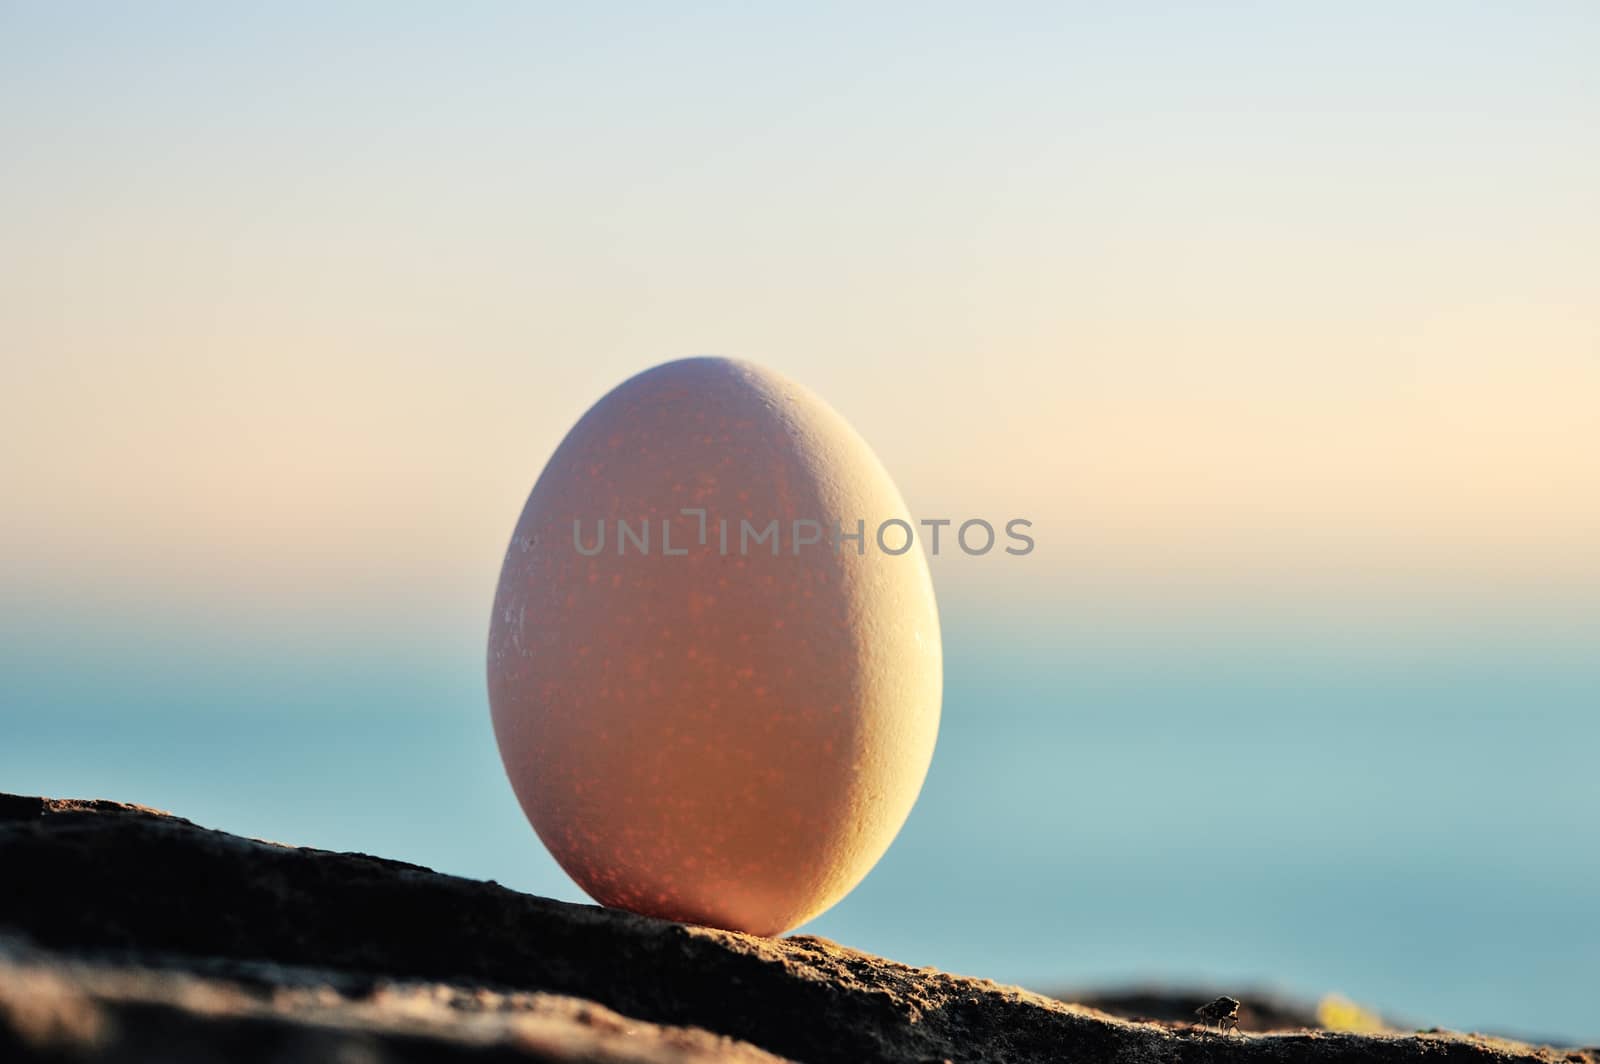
[(1412, 824)]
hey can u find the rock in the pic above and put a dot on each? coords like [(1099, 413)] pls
[(137, 935), (1261, 1010)]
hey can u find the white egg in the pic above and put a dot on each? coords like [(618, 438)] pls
[(726, 735)]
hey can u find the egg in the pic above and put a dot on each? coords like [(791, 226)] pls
[(714, 659)]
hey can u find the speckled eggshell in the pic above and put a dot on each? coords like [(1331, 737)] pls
[(721, 739)]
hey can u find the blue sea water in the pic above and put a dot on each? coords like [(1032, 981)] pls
[(1417, 830)]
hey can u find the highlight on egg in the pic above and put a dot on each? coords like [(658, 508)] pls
[(723, 712)]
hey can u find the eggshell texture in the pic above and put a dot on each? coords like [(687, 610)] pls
[(723, 739)]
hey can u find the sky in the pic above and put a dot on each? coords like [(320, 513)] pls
[(296, 301), (1280, 322)]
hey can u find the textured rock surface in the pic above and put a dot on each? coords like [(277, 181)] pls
[(135, 935)]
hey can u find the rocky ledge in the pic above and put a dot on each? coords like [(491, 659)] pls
[(127, 933)]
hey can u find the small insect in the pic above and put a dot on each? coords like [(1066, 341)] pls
[(1224, 1012)]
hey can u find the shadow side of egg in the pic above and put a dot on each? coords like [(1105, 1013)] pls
[(723, 736)]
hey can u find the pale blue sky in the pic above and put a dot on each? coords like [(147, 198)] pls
[(1216, 295)]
